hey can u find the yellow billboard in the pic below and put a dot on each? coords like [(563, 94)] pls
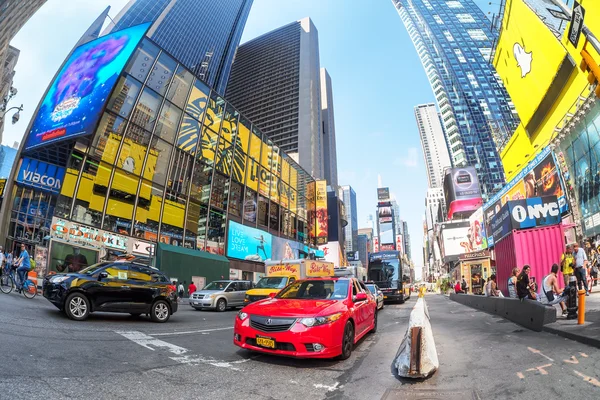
[(322, 219), (527, 58)]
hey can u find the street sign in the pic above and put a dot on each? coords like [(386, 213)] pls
[(576, 23), (558, 14)]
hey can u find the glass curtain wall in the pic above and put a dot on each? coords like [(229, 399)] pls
[(172, 161)]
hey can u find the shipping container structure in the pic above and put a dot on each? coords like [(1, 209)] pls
[(538, 247)]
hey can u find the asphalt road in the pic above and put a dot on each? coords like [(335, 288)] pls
[(45, 355)]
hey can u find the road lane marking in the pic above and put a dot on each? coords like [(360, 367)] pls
[(190, 332), (583, 355), (535, 351), (331, 388), (588, 379), (541, 369), (195, 360), (573, 360), (151, 343), (520, 375)]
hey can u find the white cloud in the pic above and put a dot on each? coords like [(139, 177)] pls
[(410, 160)]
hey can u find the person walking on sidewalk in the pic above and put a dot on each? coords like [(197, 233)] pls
[(581, 262), (549, 295), (567, 263)]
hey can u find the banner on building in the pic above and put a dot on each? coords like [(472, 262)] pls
[(321, 220), (310, 205), (477, 231), (383, 194), (399, 244), (455, 240), (40, 175), (375, 244), (332, 253), (247, 243)]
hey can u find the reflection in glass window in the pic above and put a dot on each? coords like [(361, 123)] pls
[(189, 133), (168, 122), (90, 196), (215, 242), (124, 96), (274, 217), (198, 100), (263, 208), (146, 110), (199, 214), (142, 60), (158, 161), (465, 18), (255, 145), (214, 112), (220, 191), (180, 177), (286, 223), (119, 209), (108, 136), (180, 87), (201, 182), (250, 206), (235, 199), (477, 34), (162, 73)]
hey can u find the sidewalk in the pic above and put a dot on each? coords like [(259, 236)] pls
[(588, 333)]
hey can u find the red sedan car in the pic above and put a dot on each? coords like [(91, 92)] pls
[(316, 318)]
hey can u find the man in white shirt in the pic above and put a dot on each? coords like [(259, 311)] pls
[(580, 266)]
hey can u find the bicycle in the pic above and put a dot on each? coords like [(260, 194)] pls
[(8, 281)]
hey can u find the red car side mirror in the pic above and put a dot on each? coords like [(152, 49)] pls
[(360, 297), (272, 295)]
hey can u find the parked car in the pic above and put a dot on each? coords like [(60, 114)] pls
[(376, 292), (220, 295), (310, 318), (112, 286)]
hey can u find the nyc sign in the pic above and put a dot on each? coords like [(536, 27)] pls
[(41, 175), (525, 213)]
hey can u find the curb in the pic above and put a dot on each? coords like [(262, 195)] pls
[(573, 336)]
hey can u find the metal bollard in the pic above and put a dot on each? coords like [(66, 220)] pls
[(581, 313), (572, 299)]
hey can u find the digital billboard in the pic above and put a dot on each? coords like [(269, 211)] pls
[(477, 232), (322, 218), (248, 243), (285, 249), (455, 240), (41, 175), (461, 190), (383, 194), (77, 96)]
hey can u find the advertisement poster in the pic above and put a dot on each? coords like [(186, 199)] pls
[(41, 260), (477, 232), (310, 206), (40, 175), (332, 253), (321, 210), (455, 240), (375, 244), (2, 186), (383, 194), (399, 243), (73, 103), (248, 243), (285, 249), (539, 178)]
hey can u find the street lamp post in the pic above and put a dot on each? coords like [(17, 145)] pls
[(15, 117)]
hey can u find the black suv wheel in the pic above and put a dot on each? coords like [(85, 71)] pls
[(160, 311), (77, 307)]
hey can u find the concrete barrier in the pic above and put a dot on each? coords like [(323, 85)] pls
[(417, 356), (528, 313)]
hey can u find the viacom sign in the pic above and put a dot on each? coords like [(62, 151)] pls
[(525, 213), (40, 175)]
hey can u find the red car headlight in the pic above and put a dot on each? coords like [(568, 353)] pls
[(242, 315), (316, 321)]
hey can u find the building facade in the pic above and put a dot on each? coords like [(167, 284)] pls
[(348, 195), (433, 143), (152, 157), (363, 249), (275, 82), (454, 42), (6, 84), (328, 116), (202, 35)]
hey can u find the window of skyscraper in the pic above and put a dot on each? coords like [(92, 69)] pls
[(460, 55), (477, 34), (438, 19), (449, 36), (454, 4), (465, 18)]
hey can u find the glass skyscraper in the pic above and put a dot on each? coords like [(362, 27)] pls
[(202, 35), (454, 42)]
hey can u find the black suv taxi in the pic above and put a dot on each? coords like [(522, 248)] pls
[(116, 286)]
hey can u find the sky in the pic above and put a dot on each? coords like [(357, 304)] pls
[(376, 74)]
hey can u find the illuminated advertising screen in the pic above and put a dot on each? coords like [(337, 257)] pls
[(77, 96), (248, 243), (321, 209), (383, 194), (461, 190)]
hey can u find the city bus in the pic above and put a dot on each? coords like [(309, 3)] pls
[(390, 274)]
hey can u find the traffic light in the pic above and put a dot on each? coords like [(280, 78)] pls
[(589, 65)]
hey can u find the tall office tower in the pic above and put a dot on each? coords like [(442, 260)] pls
[(13, 15), (454, 41), (329, 147), (351, 230), (202, 35), (275, 82), (406, 238), (433, 142)]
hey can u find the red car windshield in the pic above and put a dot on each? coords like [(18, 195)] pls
[(316, 290)]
